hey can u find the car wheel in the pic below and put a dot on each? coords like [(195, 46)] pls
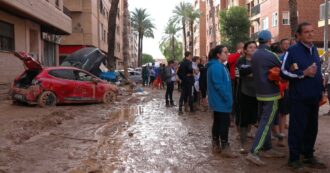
[(47, 98), (109, 97)]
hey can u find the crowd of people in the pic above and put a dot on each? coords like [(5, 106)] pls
[(257, 86)]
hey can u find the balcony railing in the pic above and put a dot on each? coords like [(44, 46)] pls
[(254, 36), (255, 10)]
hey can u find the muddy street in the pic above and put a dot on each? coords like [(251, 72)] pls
[(135, 134)]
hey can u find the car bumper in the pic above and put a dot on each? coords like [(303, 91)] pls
[(28, 95)]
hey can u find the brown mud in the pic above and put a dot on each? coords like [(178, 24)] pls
[(135, 134)]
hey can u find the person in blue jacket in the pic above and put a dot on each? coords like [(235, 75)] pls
[(302, 67), (220, 100)]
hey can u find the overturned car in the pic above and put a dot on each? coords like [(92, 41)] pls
[(48, 86)]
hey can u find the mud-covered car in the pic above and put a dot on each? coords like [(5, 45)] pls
[(48, 86)]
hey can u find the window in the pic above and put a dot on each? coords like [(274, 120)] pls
[(7, 36), (82, 76), (63, 74), (274, 19), (265, 23), (57, 3), (286, 18)]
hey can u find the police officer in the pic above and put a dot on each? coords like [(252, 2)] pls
[(186, 76)]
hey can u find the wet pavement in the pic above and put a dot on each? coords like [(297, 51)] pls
[(136, 134)]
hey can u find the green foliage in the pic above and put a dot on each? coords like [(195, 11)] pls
[(234, 26), (170, 53), (142, 23), (146, 58)]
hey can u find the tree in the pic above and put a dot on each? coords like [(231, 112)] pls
[(112, 20), (193, 15), (180, 16), (167, 50), (126, 47), (170, 39), (293, 17), (234, 26), (146, 58), (142, 24), (212, 14)]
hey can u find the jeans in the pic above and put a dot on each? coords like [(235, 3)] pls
[(186, 96), (169, 92)]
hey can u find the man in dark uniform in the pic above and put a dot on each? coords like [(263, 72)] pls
[(186, 76)]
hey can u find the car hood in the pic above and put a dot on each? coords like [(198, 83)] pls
[(88, 58), (29, 62)]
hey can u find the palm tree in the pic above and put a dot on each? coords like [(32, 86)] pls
[(126, 45), (171, 32), (193, 15), (212, 14), (293, 17), (180, 16), (142, 24), (111, 60)]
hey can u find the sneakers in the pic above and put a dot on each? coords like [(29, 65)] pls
[(227, 152), (242, 150), (314, 163), (255, 160), (172, 104), (272, 154)]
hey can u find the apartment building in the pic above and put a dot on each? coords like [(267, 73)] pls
[(219, 5), (90, 27), (274, 16), (200, 30), (133, 61), (32, 26)]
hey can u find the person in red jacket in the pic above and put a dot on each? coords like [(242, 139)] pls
[(231, 65)]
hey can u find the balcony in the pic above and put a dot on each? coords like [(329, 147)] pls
[(255, 10), (51, 19), (254, 36)]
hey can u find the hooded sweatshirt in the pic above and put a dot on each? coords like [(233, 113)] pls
[(219, 87)]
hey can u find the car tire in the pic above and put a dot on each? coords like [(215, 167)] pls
[(109, 97), (47, 98)]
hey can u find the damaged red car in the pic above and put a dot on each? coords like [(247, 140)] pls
[(48, 86)]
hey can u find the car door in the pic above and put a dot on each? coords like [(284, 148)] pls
[(85, 87), (63, 84)]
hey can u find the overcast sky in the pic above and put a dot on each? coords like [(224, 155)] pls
[(160, 11)]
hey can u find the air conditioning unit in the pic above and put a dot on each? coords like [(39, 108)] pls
[(322, 11)]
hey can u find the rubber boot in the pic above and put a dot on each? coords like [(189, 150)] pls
[(243, 139), (216, 145), (227, 152)]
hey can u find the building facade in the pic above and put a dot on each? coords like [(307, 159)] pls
[(218, 5), (90, 27), (133, 61), (200, 30), (35, 27), (273, 15)]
